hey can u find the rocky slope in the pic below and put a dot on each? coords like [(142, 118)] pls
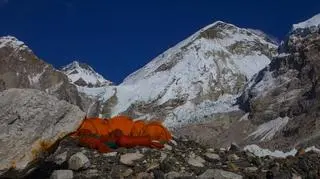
[(283, 99), (194, 80), (179, 159), (31, 121), (21, 68)]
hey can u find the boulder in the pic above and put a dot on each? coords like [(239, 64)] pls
[(219, 174), (62, 174), (78, 161), (31, 122), (129, 158)]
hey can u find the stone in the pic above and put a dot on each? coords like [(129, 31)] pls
[(175, 175), (127, 173), (173, 142), (163, 156), (172, 175), (233, 167), (118, 171), (158, 174), (78, 161), (62, 174), (129, 158), (210, 150), (219, 174), (196, 161), (144, 175), (251, 169), (61, 158), (233, 157), (110, 154), (234, 147), (212, 157), (31, 122), (167, 147), (295, 176), (170, 164), (90, 173)]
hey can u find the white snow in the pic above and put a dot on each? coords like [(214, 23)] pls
[(101, 93), (74, 72), (283, 55), (267, 130), (314, 21), (192, 72), (10, 41), (194, 68), (260, 152), (312, 148), (244, 117), (190, 112)]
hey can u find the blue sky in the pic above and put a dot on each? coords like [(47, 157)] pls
[(117, 37)]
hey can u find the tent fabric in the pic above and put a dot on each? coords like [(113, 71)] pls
[(121, 131)]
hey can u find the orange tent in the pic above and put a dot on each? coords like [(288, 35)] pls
[(122, 130)]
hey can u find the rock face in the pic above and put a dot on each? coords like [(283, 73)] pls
[(21, 68), (283, 99), (31, 121)]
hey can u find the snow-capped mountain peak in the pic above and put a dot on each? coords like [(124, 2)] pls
[(313, 21), (12, 42), (198, 77), (82, 74)]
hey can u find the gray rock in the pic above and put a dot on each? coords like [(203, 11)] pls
[(61, 158), (175, 175), (233, 157), (167, 147), (144, 175), (110, 154), (127, 172), (90, 173), (219, 174), (129, 158), (196, 161), (31, 122), (62, 174), (172, 175), (251, 169), (78, 161), (118, 171), (234, 147), (212, 156)]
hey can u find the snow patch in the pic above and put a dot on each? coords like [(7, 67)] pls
[(267, 130), (260, 152), (10, 41), (312, 148), (283, 55), (314, 21), (101, 93), (244, 117)]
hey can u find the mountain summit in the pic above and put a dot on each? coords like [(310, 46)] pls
[(197, 78), (82, 74)]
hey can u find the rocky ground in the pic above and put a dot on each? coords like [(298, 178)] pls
[(181, 158)]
